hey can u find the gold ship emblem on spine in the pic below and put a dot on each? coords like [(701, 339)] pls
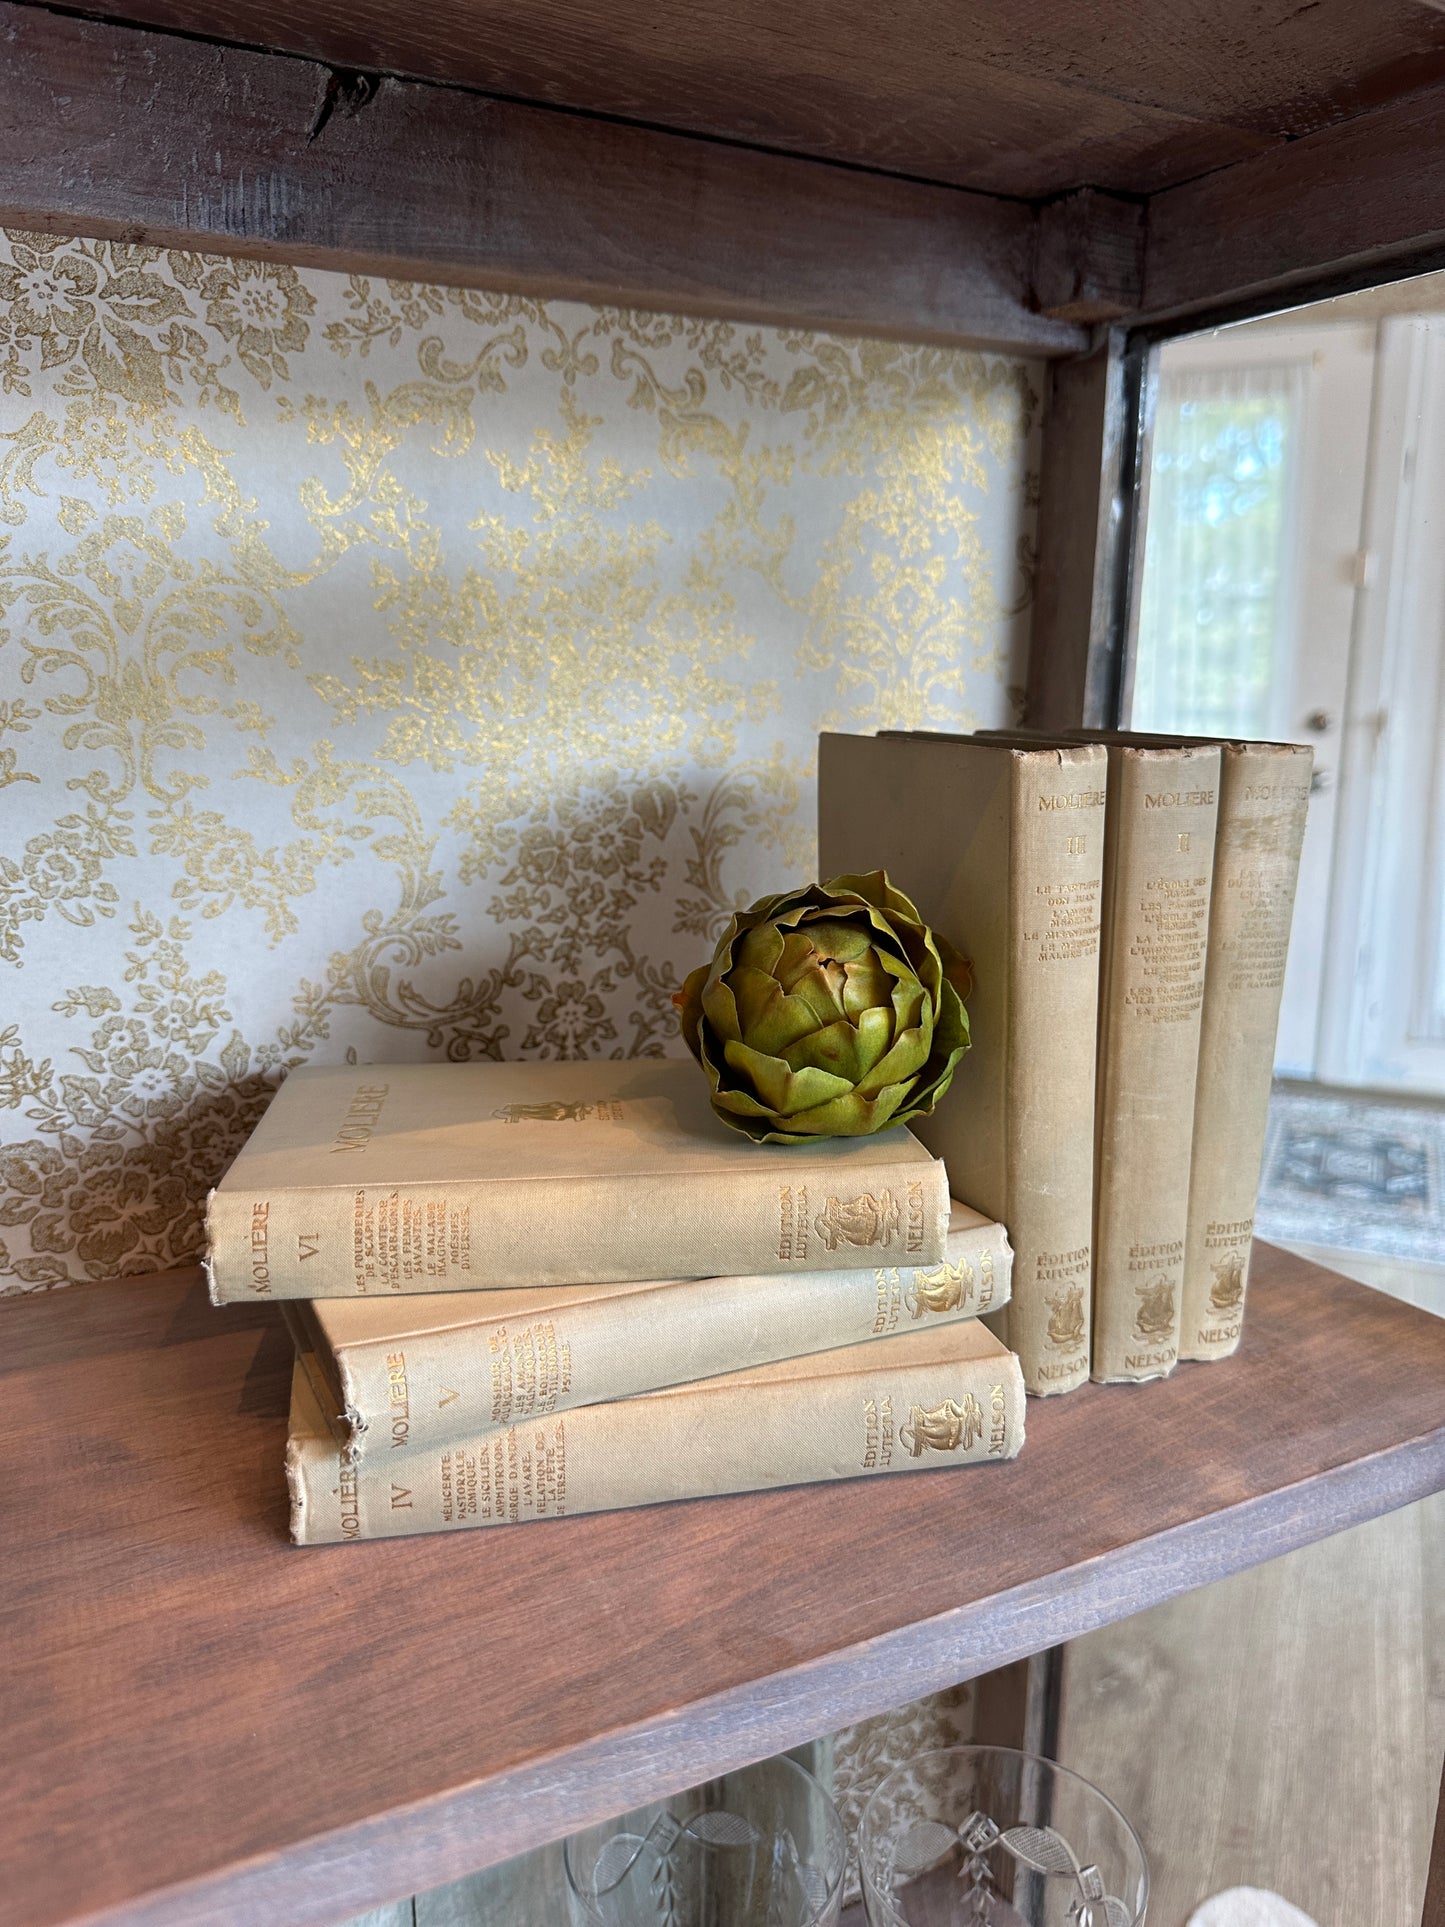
[(1154, 1316), (950, 1427), (859, 1221), (947, 1288), (1065, 1328), (1227, 1291)]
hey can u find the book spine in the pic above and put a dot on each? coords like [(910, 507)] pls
[(1264, 795), (1163, 806), (1055, 881), (429, 1388), (372, 1240), (692, 1442)]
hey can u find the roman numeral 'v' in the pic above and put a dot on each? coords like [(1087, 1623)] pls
[(446, 1398)]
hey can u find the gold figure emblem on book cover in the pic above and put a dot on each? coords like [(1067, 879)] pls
[(859, 1221), (952, 1426), (557, 1112), (1065, 1328), (1227, 1292), (563, 1111), (1154, 1314), (945, 1288)]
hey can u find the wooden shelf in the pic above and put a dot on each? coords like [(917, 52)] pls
[(204, 1724)]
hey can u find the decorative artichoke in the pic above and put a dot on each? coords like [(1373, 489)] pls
[(828, 1011)]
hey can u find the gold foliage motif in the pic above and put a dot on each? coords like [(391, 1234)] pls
[(389, 670)]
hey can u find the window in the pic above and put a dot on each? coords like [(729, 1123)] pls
[(1213, 649)]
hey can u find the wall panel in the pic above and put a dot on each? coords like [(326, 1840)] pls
[(397, 671)]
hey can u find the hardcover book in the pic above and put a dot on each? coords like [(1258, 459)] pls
[(427, 1370), (1158, 873), (368, 1181), (1001, 845), (1263, 800), (949, 1396), (1264, 791)]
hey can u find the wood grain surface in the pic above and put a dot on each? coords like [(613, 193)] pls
[(205, 1725), (1361, 198), (1092, 421), (1124, 94), (141, 136)]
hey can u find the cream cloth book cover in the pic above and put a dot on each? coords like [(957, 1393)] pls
[(1158, 874), (946, 1397), (1264, 791), (1001, 846), (368, 1180), (424, 1370)]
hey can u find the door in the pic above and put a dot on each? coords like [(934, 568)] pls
[(1252, 558), (1383, 1022)]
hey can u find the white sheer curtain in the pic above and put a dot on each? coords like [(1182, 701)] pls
[(1215, 616)]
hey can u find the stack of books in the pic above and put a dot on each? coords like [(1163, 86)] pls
[(1126, 903), (520, 1291)]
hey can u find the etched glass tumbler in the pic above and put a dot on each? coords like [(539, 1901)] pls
[(982, 1836), (763, 1847)]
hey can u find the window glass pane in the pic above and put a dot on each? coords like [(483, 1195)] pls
[(1213, 615)]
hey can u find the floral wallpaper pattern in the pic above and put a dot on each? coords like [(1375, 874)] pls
[(393, 671)]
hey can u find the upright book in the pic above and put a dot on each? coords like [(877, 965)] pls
[(1001, 845), (1264, 791), (1158, 873), (947, 1396), (365, 1182), (428, 1370)]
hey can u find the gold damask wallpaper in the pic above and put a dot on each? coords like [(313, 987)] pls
[(390, 671)]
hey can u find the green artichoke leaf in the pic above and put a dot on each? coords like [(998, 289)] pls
[(845, 1049), (779, 1085), (851, 1116), (868, 985), (760, 946), (875, 889), (688, 1001), (950, 1030), (908, 1057), (720, 1007), (768, 1019)]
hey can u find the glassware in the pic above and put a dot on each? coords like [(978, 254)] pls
[(983, 1836), (763, 1847)]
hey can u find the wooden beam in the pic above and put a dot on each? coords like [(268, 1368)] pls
[(1363, 198), (1089, 259), (130, 134), (1093, 420)]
